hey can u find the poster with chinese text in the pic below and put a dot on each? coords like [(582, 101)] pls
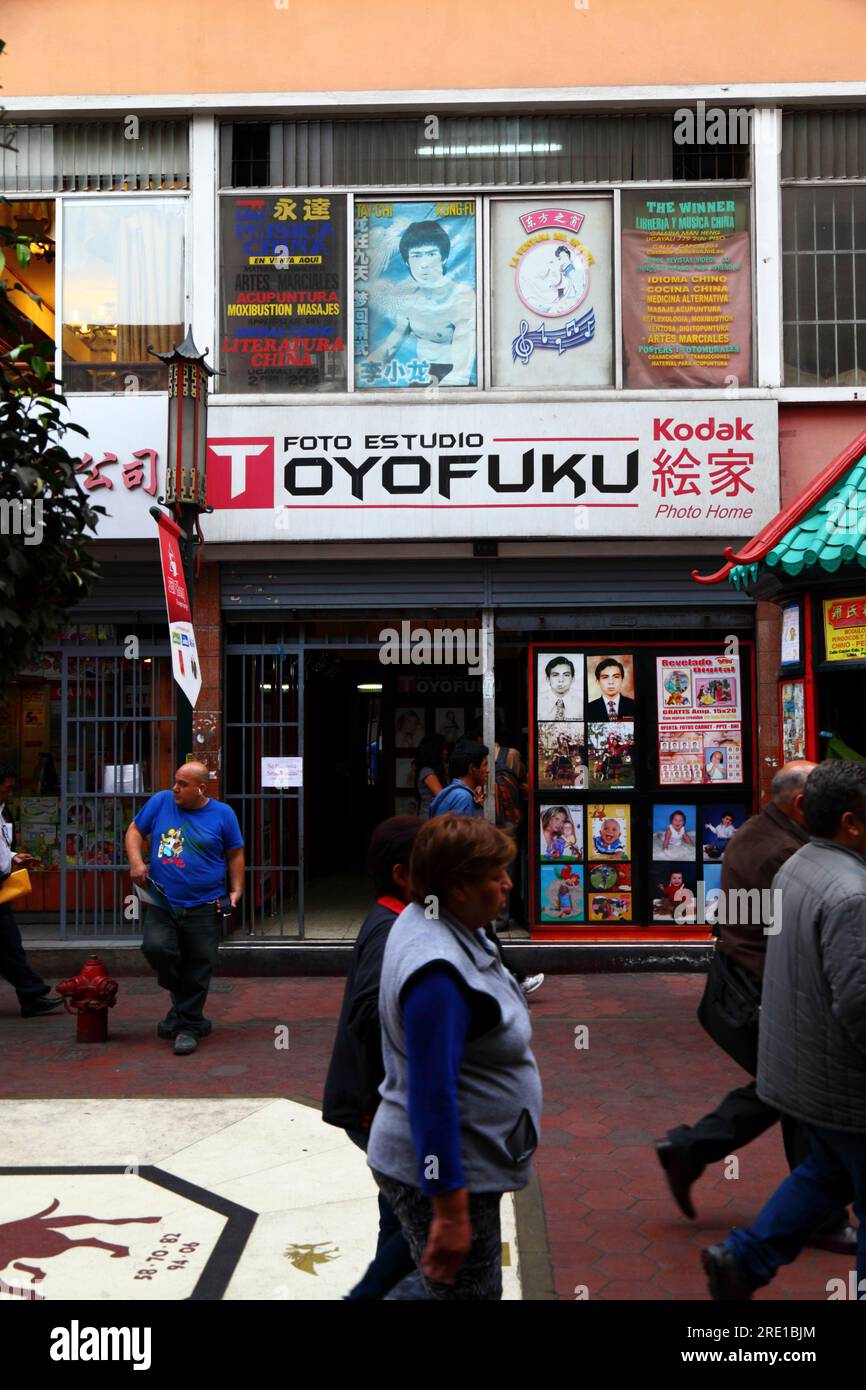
[(415, 306), (283, 319), (552, 292), (845, 628), (686, 288)]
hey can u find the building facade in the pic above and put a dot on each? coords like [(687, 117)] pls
[(500, 366)]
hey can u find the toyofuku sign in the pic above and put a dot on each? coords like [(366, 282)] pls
[(705, 468)]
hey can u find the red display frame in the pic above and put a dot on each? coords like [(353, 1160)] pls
[(636, 933)]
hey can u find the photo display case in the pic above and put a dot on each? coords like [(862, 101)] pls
[(642, 767)]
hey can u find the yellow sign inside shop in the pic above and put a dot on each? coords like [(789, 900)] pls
[(845, 628)]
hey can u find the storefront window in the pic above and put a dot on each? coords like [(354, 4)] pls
[(282, 281), (32, 218), (686, 288), (551, 284), (123, 291), (415, 302)]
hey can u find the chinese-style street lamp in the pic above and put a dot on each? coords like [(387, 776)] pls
[(186, 475)]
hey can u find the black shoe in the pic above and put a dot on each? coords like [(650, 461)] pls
[(166, 1030), (46, 1005), (843, 1242), (184, 1043), (679, 1174), (729, 1281)]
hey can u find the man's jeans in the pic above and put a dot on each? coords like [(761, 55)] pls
[(833, 1174), (182, 946)]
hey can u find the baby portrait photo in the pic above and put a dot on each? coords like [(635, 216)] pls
[(674, 832), (561, 832), (610, 832)]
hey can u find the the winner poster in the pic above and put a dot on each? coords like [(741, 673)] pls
[(283, 315), (415, 304), (552, 292), (686, 288)]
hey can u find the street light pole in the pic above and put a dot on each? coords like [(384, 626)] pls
[(186, 478)]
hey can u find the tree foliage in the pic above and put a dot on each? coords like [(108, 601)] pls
[(40, 580)]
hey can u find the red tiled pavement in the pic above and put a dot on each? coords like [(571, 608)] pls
[(611, 1224)]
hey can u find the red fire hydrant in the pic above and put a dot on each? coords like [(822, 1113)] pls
[(90, 995)]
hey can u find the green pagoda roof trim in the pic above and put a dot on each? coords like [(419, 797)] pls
[(830, 535)]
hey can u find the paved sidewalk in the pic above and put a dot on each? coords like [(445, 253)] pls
[(611, 1226)]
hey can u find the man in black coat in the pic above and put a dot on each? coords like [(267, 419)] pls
[(357, 1069), (610, 674), (732, 998), (34, 995), (812, 1048)]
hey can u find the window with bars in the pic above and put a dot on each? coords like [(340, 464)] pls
[(824, 285), (824, 247)]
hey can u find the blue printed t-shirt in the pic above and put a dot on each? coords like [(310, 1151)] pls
[(188, 848)]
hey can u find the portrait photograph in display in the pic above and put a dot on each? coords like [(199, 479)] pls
[(723, 756), (561, 756), (609, 832), (450, 724), (561, 834), (608, 908), (561, 893), (610, 755), (559, 686), (718, 824), (672, 887), (408, 727), (415, 306), (608, 878), (404, 776), (674, 832), (610, 692)]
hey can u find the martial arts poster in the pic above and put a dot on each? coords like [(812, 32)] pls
[(686, 288), (415, 306), (551, 283), (793, 701), (282, 301), (699, 720)]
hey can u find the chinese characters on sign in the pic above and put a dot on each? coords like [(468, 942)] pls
[(283, 272), (686, 290), (551, 300), (415, 307), (845, 629), (142, 464)]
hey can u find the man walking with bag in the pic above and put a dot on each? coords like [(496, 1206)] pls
[(194, 839), (730, 1006)]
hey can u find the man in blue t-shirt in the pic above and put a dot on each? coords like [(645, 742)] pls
[(193, 840), (469, 770)]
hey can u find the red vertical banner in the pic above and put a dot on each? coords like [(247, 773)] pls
[(184, 653)]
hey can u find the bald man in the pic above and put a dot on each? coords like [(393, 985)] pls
[(194, 840), (753, 857)]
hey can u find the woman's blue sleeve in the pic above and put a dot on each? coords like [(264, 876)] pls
[(436, 1019)]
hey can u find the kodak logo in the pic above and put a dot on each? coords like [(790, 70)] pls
[(707, 429)]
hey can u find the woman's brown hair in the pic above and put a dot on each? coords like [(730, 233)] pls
[(451, 850)]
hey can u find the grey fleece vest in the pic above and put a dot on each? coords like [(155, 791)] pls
[(498, 1088)]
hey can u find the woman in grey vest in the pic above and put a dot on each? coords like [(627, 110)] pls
[(461, 1101)]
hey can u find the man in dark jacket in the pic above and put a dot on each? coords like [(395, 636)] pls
[(357, 1069), (812, 1050), (730, 1006)]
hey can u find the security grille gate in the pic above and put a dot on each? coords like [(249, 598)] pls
[(118, 746), (263, 720)]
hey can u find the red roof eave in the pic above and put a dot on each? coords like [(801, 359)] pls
[(761, 544)]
